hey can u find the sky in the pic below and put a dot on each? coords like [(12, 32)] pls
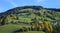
[(9, 4)]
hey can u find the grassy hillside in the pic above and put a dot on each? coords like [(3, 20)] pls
[(26, 14), (18, 17)]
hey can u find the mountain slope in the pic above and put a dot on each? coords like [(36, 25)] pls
[(27, 13)]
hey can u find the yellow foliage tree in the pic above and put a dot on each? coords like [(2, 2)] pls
[(42, 25), (48, 27), (51, 28), (33, 26), (40, 28), (7, 18)]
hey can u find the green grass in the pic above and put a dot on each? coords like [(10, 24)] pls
[(10, 28), (33, 32)]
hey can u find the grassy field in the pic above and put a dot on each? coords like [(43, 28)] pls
[(33, 32), (10, 28)]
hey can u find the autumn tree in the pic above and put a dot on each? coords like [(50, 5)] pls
[(41, 26), (8, 18), (48, 27)]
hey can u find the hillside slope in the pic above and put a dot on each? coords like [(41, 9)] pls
[(27, 13)]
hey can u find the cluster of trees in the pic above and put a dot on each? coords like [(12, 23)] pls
[(36, 26), (46, 27), (56, 29), (7, 18), (10, 18)]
